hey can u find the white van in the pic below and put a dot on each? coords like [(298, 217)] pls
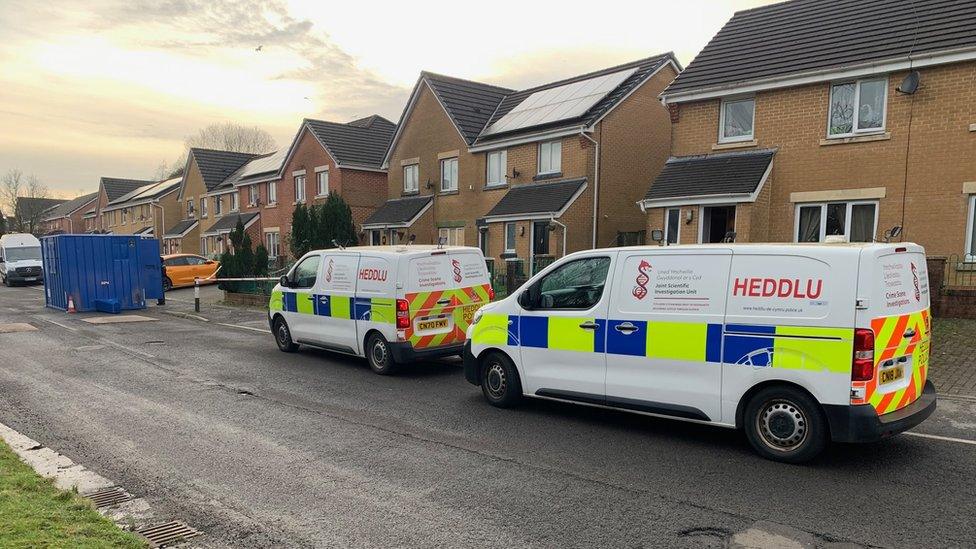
[(391, 304), (20, 259), (795, 344)]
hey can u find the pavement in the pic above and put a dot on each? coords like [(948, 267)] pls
[(212, 425)]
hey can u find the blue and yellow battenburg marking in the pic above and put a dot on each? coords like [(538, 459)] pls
[(791, 347), (376, 309)]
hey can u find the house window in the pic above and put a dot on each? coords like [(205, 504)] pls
[(203, 246), (453, 236), (218, 205), (253, 195), (272, 192), (272, 243), (857, 107), (550, 157), (672, 225), (449, 175), (203, 207), (189, 208), (971, 230), (299, 188), (856, 221), (510, 238), (737, 119), (411, 177), (125, 215), (322, 183), (235, 203), (497, 168)]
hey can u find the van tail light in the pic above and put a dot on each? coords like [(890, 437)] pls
[(491, 293), (862, 365), (402, 314)]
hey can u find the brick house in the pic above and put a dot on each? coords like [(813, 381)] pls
[(147, 210), (345, 158), (530, 174), (68, 217), (30, 213), (110, 189), (812, 119)]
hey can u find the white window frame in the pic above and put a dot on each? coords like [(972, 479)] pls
[(502, 159), (449, 175), (667, 222), (411, 178), (125, 215), (321, 176), (823, 217), (970, 219), (272, 193), (218, 204), (552, 168), (299, 188), (253, 195), (514, 237), (857, 101), (235, 202), (203, 208), (190, 210), (721, 120), (273, 248)]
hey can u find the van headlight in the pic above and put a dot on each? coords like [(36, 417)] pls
[(477, 317)]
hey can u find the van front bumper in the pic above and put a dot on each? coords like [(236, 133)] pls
[(471, 372), (862, 424), (403, 351)]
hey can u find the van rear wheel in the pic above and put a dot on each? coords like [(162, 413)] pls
[(500, 381), (785, 424), (378, 355), (282, 336)]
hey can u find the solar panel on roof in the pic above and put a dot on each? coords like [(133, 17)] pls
[(559, 103)]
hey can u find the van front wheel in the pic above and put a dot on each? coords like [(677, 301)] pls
[(500, 381), (785, 424), (282, 336), (379, 356)]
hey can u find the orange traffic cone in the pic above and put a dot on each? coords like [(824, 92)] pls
[(71, 304)]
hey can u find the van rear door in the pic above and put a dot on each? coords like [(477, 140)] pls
[(443, 290), (894, 281)]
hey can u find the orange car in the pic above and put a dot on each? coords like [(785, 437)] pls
[(181, 269)]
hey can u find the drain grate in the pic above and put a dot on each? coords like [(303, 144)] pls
[(164, 535), (109, 496)]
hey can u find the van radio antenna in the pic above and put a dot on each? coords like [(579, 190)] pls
[(337, 245)]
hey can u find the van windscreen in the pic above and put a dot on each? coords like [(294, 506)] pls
[(23, 254)]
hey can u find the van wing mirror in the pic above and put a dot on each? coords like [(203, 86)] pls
[(284, 281)]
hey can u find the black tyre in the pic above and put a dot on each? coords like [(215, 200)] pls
[(6, 282), (500, 381), (379, 356), (785, 424), (167, 284), (282, 336)]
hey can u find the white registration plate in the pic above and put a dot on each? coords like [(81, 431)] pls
[(30, 279)]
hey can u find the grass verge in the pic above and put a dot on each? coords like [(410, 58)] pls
[(34, 513)]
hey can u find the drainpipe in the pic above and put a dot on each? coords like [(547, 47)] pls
[(596, 182), (162, 220), (553, 220)]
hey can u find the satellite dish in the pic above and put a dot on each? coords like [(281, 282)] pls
[(910, 84)]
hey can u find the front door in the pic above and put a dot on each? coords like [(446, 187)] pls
[(540, 246), (717, 223), (664, 334), (335, 320), (562, 330)]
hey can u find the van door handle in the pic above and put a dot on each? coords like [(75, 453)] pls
[(625, 328), (443, 301), (909, 333), (589, 325), (324, 298)]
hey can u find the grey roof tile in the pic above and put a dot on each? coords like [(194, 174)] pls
[(361, 142), (711, 174), (470, 104), (115, 187), (537, 198), (181, 227), (229, 222), (71, 206), (216, 166), (810, 35), (398, 210)]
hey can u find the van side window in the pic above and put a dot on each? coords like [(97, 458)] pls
[(575, 285), (306, 272)]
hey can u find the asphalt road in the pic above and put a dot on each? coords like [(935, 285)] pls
[(215, 426)]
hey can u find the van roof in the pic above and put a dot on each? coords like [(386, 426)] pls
[(774, 246), (19, 240), (401, 249)]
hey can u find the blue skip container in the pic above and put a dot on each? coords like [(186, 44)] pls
[(108, 273)]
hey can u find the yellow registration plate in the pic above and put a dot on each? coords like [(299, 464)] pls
[(889, 375), (425, 325)]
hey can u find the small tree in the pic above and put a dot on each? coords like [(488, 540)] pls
[(300, 242), (261, 261), (336, 224)]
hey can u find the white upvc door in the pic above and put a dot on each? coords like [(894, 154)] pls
[(562, 329), (664, 334)]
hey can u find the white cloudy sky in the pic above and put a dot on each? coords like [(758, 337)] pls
[(112, 87)]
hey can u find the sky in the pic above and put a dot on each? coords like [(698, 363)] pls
[(92, 88)]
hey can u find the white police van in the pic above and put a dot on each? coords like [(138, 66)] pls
[(20, 259), (795, 344), (390, 304)]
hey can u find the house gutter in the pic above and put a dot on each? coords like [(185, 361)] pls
[(596, 182)]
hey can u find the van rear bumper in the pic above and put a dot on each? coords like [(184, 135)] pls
[(403, 351), (862, 424)]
